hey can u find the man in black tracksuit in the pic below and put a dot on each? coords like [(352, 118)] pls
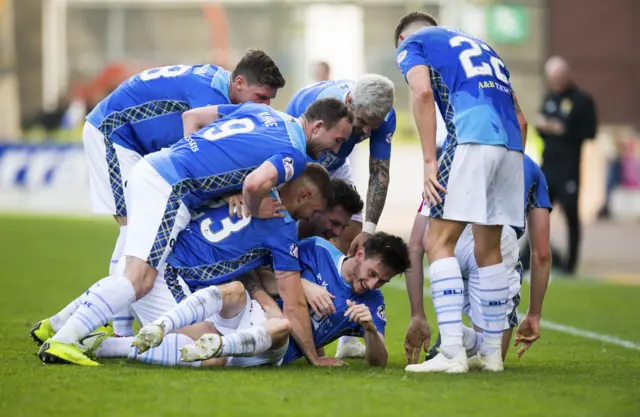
[(567, 118)]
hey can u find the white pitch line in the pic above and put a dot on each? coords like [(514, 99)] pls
[(396, 285)]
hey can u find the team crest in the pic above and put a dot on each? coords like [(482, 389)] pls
[(381, 313), (288, 168), (293, 250), (401, 57)]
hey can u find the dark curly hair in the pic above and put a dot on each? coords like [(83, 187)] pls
[(346, 196), (391, 250)]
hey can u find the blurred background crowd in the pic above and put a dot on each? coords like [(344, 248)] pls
[(574, 65)]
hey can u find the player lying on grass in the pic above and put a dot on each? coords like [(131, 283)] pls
[(253, 148), (143, 115), (537, 215), (370, 98), (240, 332)]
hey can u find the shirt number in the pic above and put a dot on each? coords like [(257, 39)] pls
[(164, 72), (476, 50), (228, 227), (228, 128)]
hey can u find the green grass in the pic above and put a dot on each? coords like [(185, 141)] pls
[(47, 261)]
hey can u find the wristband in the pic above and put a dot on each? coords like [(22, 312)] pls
[(369, 227)]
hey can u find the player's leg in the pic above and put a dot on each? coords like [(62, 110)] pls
[(156, 216), (257, 340), (123, 320), (167, 354), (348, 346), (229, 299), (490, 288), (47, 328)]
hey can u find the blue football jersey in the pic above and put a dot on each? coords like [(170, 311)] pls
[(536, 192), (322, 265), (216, 247), (217, 158), (470, 84), (144, 113), (380, 140)]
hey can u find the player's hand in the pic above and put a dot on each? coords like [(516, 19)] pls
[(528, 332), (556, 127), (418, 336), (236, 205), (358, 242), (269, 208), (320, 300), (328, 361), (360, 313), (432, 186)]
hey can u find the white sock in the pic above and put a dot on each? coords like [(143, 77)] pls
[(198, 306), (97, 309), (59, 319), (167, 354), (122, 320), (115, 347), (343, 340), (447, 292), (491, 292), (246, 342), (471, 340)]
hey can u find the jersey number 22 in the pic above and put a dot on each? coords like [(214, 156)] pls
[(475, 51)]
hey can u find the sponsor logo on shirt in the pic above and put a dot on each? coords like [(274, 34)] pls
[(293, 250), (401, 57), (381, 313), (288, 168)]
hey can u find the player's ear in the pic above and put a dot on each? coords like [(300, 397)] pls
[(317, 125), (239, 82), (360, 253), (349, 99), (304, 193)]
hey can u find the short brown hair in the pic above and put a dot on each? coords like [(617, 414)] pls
[(346, 196), (329, 110), (318, 176), (258, 68), (411, 18)]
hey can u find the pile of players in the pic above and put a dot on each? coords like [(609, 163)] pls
[(242, 239)]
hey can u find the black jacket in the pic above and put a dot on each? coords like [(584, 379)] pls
[(576, 110)]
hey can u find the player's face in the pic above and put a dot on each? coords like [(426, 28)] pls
[(329, 140), (328, 224), (370, 273), (364, 124), (245, 92)]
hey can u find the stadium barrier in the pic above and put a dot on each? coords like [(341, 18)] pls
[(44, 178)]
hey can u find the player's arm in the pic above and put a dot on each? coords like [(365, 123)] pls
[(257, 292), (197, 118), (377, 190), (257, 186), (424, 109), (376, 352), (539, 228), (522, 121), (295, 309)]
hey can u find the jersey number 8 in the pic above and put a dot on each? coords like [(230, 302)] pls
[(228, 227), (164, 72), (482, 69)]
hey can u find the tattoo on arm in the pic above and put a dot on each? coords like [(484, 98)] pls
[(378, 186), (252, 284), (515, 100)]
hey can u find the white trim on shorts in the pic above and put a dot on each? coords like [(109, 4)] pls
[(107, 173)]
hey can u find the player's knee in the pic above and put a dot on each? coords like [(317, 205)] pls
[(233, 293), (141, 275), (278, 328)]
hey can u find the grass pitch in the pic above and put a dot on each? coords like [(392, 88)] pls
[(48, 261)]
